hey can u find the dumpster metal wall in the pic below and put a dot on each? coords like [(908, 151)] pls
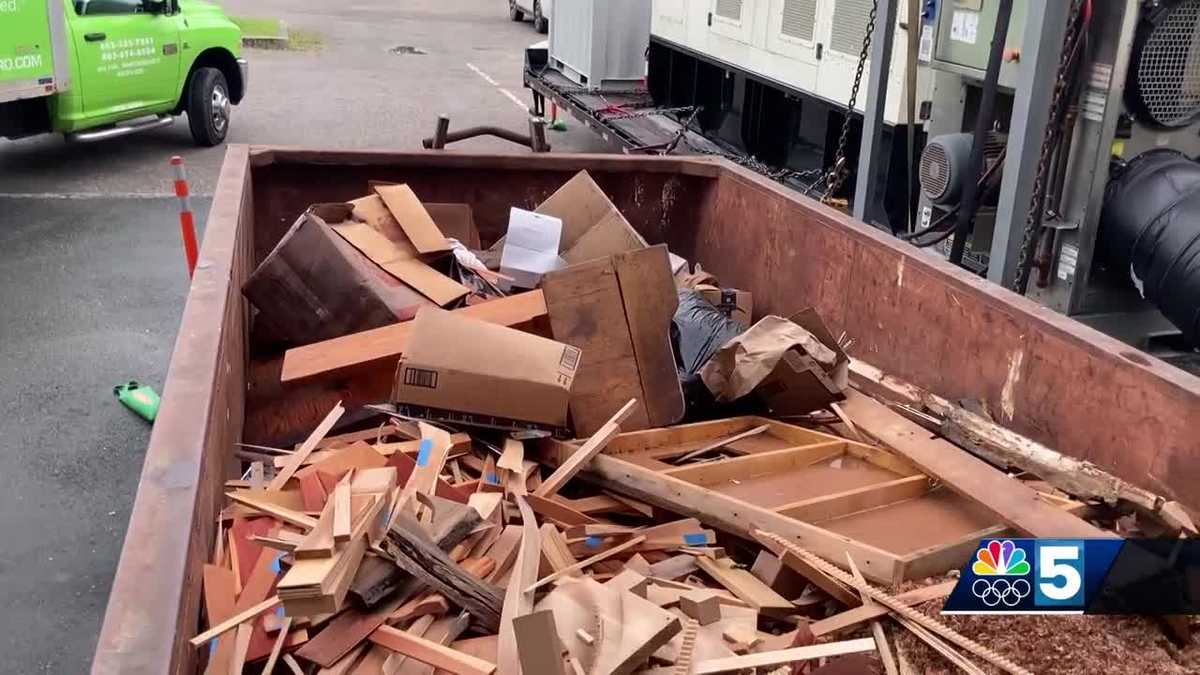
[(914, 316)]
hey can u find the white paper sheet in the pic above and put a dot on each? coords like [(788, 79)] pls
[(530, 247)]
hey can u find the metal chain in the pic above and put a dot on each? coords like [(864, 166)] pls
[(1029, 235), (837, 172)]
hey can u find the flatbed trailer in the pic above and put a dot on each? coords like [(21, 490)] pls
[(916, 317)]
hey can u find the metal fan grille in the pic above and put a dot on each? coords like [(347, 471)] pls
[(730, 9), (1169, 68), (934, 171), (798, 18)]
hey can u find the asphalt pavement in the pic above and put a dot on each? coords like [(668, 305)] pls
[(92, 278)]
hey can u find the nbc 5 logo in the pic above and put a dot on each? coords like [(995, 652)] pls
[(1059, 565)]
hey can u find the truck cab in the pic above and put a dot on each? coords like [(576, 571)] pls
[(95, 69)]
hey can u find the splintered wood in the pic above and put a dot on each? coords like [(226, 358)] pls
[(369, 542)]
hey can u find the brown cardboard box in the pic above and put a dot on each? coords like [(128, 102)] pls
[(471, 371)]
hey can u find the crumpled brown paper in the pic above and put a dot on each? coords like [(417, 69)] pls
[(745, 361)]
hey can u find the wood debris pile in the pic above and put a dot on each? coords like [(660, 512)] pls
[(454, 530)]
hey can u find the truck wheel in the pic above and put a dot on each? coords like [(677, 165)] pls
[(540, 23), (208, 107), (515, 12)]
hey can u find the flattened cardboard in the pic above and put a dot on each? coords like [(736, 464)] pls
[(592, 225), (376, 234), (468, 366), (413, 218)]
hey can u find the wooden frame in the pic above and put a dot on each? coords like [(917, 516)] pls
[(919, 318), (831, 494)]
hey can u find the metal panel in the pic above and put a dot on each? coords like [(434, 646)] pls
[(730, 9), (849, 25), (799, 18)]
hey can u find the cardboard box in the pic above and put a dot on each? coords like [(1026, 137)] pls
[(472, 372)]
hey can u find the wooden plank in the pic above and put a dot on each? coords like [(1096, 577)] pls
[(832, 587), (277, 648), (413, 550), (726, 513), (967, 475), (341, 513), (219, 602), (557, 511), (517, 602), (357, 455), (312, 491), (319, 542), (858, 499), (720, 443), (504, 551), (428, 651), (512, 459), (382, 347), (877, 631), (431, 458), (586, 452), (235, 620), (783, 656), (648, 291), (857, 616), (555, 550), (746, 586), (538, 646), (306, 448), (583, 564)]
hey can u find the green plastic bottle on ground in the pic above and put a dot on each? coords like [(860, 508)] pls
[(139, 398)]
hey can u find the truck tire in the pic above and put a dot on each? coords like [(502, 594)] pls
[(208, 107), (515, 12), (540, 23)]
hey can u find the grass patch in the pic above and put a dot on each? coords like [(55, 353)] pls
[(304, 40), (256, 26)]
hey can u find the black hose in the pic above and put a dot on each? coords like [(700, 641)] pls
[(983, 124), (1150, 227)]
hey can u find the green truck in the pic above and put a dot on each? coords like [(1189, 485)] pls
[(97, 69)]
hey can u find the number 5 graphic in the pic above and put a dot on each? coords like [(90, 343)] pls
[(1061, 565)]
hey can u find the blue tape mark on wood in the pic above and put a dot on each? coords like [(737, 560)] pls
[(424, 451), (695, 539), (493, 479), (593, 541), (276, 568), (212, 646)]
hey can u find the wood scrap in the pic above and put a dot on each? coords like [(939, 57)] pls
[(517, 601), (293, 463), (717, 445), (877, 631), (746, 586), (382, 347), (1010, 501), (626, 628), (428, 651), (582, 564), (594, 445), (777, 543), (783, 656), (538, 646), (412, 548), (701, 606)]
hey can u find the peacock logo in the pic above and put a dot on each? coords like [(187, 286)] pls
[(1000, 558)]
